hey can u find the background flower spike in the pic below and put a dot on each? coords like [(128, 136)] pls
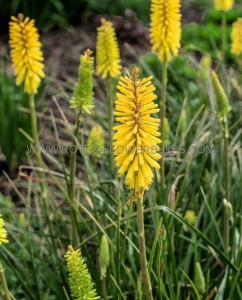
[(25, 49)]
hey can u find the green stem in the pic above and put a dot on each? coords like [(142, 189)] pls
[(162, 117), (226, 184), (35, 137), (104, 289), (72, 179), (4, 283), (118, 241), (142, 250), (110, 123), (224, 36), (44, 190)]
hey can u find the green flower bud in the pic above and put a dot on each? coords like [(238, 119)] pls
[(166, 137), (223, 106), (199, 280), (104, 257), (83, 92), (183, 121)]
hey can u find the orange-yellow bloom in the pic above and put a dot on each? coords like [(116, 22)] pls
[(108, 56), (136, 140), (236, 37), (26, 54), (165, 31), (223, 5)]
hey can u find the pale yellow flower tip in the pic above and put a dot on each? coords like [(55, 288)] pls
[(165, 31), (25, 49), (136, 138), (108, 56), (3, 232), (223, 5), (236, 37)]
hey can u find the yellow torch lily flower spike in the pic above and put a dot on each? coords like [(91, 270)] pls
[(223, 5), (165, 31), (3, 232), (135, 141), (236, 37), (108, 56), (26, 54)]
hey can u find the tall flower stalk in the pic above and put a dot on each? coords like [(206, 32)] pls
[(223, 108), (136, 148), (82, 100), (108, 67), (27, 59), (165, 35), (224, 6)]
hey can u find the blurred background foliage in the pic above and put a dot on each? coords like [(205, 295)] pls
[(49, 13)]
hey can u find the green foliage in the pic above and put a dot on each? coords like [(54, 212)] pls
[(12, 99), (49, 13), (206, 37), (46, 13)]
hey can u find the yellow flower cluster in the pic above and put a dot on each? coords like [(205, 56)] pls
[(236, 37), (165, 28), (108, 56), (3, 232), (224, 5), (26, 54), (136, 142)]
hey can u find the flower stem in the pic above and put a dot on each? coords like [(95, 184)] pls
[(110, 122), (35, 134), (104, 289), (224, 36), (72, 180), (226, 184), (4, 283), (44, 190), (142, 250), (162, 117)]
